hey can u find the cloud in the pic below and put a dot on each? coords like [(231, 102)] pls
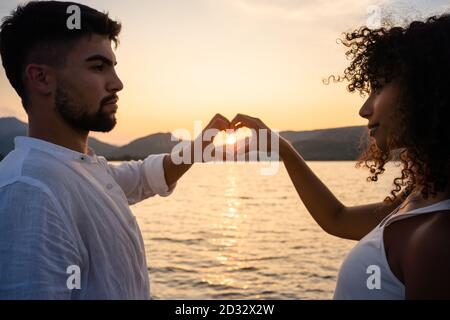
[(356, 11), (402, 12), (303, 10)]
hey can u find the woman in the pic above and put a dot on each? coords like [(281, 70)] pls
[(405, 239)]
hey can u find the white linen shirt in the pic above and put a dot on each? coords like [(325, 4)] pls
[(61, 210)]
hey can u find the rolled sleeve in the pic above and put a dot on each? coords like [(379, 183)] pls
[(141, 179), (154, 172)]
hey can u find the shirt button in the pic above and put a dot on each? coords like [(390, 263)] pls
[(109, 186)]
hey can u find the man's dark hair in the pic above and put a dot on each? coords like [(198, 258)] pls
[(37, 32)]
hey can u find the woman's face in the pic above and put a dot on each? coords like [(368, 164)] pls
[(379, 109)]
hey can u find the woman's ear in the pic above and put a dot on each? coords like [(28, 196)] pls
[(40, 79)]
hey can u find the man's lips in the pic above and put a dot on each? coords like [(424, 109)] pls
[(111, 106), (112, 101)]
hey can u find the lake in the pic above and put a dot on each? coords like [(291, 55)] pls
[(228, 232)]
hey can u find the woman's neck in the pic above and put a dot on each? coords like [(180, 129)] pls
[(415, 199)]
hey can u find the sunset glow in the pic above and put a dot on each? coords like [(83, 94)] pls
[(231, 138), (184, 61)]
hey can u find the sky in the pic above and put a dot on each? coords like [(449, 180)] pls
[(185, 60)]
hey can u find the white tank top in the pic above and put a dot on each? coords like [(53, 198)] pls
[(365, 272)]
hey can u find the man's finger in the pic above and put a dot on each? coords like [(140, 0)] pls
[(221, 124), (218, 118)]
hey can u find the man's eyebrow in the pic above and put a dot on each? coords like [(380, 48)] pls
[(102, 58)]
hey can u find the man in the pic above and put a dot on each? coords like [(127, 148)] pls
[(66, 229)]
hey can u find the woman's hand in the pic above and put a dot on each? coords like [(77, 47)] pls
[(261, 130)]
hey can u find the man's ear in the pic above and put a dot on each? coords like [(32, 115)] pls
[(40, 78)]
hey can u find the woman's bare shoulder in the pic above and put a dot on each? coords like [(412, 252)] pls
[(426, 259), (433, 230)]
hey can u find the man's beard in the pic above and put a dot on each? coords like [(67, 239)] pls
[(74, 115)]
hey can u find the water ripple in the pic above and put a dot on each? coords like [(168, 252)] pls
[(228, 232), (184, 241)]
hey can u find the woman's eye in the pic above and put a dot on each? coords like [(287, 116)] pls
[(375, 88)]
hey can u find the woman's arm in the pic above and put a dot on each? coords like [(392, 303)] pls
[(333, 216)]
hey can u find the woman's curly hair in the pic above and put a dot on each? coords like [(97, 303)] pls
[(418, 55)]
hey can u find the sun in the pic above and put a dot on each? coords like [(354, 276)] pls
[(230, 138)]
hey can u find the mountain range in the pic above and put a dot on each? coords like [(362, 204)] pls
[(323, 144)]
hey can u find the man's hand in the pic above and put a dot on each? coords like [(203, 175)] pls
[(218, 123), (173, 171)]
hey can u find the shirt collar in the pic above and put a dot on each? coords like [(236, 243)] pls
[(54, 149)]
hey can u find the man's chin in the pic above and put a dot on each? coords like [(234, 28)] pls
[(105, 128), (105, 124)]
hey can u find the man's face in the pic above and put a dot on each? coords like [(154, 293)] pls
[(86, 94)]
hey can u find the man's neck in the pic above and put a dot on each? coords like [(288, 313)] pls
[(60, 133)]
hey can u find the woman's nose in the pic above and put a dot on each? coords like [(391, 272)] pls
[(366, 109)]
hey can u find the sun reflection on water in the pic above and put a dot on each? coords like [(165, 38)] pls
[(228, 224)]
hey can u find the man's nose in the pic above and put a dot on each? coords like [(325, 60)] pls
[(115, 84)]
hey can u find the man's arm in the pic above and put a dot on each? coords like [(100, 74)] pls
[(173, 172), (158, 174), (140, 179)]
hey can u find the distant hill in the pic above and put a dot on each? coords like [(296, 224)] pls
[(333, 134), (328, 144), (142, 147), (324, 144), (12, 127), (327, 150), (101, 148)]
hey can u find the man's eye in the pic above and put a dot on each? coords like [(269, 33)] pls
[(99, 67)]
